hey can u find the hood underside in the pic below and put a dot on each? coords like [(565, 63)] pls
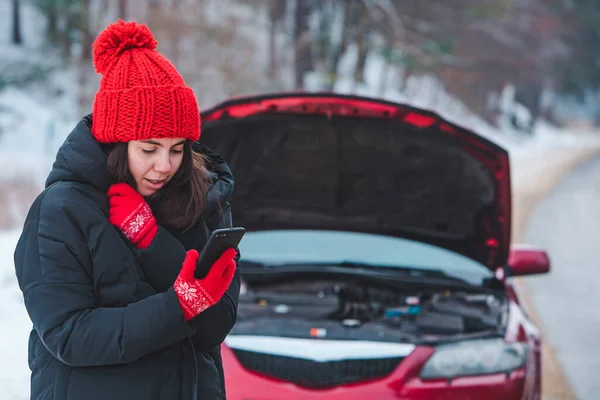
[(333, 162)]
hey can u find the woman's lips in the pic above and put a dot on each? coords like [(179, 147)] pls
[(156, 183)]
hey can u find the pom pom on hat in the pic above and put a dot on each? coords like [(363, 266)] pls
[(117, 38)]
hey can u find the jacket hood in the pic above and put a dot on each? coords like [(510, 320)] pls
[(221, 177), (81, 159)]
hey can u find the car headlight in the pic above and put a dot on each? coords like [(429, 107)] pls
[(474, 357)]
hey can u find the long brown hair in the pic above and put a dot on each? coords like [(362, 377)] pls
[(179, 204)]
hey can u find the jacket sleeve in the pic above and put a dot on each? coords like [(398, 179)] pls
[(60, 299), (161, 263)]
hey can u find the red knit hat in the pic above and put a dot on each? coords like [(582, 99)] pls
[(141, 96)]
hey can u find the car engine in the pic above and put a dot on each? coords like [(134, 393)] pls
[(365, 311)]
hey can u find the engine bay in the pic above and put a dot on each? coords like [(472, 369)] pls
[(355, 310)]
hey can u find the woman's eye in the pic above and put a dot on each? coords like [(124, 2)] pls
[(147, 151), (178, 151)]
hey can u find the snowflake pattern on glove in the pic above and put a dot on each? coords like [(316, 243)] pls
[(135, 223), (192, 298)]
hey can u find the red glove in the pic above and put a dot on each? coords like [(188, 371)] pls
[(129, 212), (196, 295)]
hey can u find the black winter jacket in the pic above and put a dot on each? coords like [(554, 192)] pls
[(106, 320)]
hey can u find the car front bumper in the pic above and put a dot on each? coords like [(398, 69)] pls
[(403, 383)]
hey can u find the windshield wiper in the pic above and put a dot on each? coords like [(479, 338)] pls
[(399, 272)]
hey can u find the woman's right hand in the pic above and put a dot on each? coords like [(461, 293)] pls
[(130, 213), (196, 295)]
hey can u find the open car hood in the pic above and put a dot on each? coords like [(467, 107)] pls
[(337, 162)]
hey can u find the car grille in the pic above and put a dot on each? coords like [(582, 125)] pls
[(314, 374)]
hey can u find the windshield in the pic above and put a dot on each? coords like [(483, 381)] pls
[(308, 246)]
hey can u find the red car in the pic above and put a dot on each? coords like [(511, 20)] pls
[(377, 260)]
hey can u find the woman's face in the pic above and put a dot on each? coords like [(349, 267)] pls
[(154, 162)]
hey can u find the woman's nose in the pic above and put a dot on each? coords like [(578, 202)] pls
[(163, 164)]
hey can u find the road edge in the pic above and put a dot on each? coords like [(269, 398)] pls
[(532, 187)]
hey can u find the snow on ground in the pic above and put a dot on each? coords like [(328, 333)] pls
[(15, 325)]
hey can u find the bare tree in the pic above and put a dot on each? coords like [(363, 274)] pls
[(87, 37), (276, 10), (122, 9), (301, 39), (17, 37)]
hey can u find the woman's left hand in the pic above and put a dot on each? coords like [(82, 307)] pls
[(131, 214), (196, 295)]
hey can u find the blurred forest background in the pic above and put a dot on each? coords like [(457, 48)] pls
[(503, 60)]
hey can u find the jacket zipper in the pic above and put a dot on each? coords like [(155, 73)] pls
[(195, 386)]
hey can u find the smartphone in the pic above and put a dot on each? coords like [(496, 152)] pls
[(219, 241)]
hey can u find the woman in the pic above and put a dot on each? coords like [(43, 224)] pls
[(108, 249)]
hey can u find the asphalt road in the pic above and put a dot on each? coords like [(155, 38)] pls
[(567, 301)]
